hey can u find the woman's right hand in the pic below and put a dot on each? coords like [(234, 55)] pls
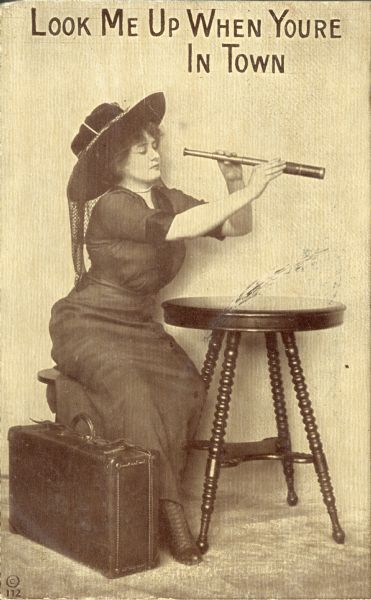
[(263, 174)]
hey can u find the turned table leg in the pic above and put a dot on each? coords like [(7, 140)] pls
[(212, 356), (217, 436), (284, 442), (312, 432)]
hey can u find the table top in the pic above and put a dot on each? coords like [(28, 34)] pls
[(262, 313)]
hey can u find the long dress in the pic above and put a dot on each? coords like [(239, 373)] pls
[(139, 383)]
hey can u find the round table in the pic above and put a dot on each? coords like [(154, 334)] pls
[(228, 317)]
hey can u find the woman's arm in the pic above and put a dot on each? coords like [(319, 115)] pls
[(240, 223), (199, 220)]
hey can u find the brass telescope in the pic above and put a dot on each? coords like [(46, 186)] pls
[(291, 168)]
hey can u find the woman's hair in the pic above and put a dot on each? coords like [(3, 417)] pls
[(118, 150)]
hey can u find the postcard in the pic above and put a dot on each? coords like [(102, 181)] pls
[(185, 331)]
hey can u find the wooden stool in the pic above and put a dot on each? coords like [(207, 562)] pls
[(269, 316), (67, 397), (49, 377)]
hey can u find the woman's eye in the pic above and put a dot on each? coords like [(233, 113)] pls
[(143, 148), (139, 149)]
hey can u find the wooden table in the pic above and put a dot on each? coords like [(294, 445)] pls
[(270, 316)]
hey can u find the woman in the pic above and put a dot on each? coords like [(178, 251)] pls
[(141, 384)]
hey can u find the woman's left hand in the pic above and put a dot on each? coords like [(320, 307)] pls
[(232, 172)]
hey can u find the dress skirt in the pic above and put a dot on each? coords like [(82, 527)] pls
[(140, 383)]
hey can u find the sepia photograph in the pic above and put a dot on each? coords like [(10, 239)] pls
[(185, 300)]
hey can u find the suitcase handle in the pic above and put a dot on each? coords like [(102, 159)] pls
[(92, 437), (87, 420)]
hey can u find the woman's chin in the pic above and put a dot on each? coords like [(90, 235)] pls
[(156, 179)]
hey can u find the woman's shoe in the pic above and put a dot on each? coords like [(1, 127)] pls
[(177, 534)]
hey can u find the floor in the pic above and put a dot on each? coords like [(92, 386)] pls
[(260, 548)]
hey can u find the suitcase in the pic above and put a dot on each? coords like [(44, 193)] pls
[(92, 500)]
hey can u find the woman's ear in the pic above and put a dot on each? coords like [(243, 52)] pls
[(118, 163)]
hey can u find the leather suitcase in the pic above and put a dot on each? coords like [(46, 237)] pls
[(92, 500)]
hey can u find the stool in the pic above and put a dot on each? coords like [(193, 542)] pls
[(67, 397), (269, 316), (49, 377)]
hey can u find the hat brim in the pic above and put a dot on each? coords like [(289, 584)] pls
[(85, 182)]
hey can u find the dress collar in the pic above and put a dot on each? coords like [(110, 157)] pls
[(159, 196)]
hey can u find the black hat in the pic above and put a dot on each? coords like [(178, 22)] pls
[(102, 133)]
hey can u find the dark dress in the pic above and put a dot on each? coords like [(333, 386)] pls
[(138, 382)]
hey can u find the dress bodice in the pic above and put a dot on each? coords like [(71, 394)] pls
[(126, 241)]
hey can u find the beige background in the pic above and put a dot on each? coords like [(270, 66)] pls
[(315, 113)]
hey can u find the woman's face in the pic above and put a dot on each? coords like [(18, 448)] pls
[(141, 167)]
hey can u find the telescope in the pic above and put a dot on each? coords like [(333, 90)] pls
[(291, 168)]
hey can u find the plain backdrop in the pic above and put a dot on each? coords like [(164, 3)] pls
[(316, 113)]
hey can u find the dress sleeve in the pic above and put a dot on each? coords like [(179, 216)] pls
[(123, 215), (181, 202)]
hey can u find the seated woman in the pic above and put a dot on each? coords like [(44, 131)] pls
[(143, 385)]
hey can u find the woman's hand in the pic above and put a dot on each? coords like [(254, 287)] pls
[(263, 174), (232, 172)]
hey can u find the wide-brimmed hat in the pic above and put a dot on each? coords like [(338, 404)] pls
[(100, 136)]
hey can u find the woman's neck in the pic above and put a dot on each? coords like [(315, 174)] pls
[(143, 193)]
